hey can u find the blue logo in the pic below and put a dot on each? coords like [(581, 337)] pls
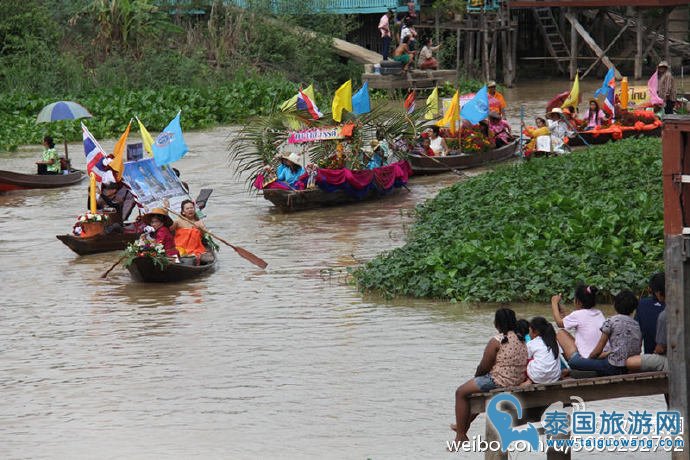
[(503, 423), (165, 138)]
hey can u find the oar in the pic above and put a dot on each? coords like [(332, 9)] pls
[(113, 266), (258, 261), (574, 129), (456, 171), (522, 122)]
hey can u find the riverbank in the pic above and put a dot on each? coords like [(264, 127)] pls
[(528, 230)]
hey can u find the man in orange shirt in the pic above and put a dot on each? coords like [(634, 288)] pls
[(499, 104)]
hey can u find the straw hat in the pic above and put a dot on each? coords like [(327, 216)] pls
[(292, 157), (161, 213), (490, 84), (374, 144), (557, 110), (663, 64)]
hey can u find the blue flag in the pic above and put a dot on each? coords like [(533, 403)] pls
[(609, 81), (169, 146), (360, 100), (478, 108)]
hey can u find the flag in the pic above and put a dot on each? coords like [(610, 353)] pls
[(574, 96), (652, 86), (342, 100), (94, 157), (478, 108), (609, 102), (117, 164), (609, 81), (361, 103), (146, 138), (452, 116), (305, 103), (291, 104), (169, 145), (92, 193), (432, 105), (409, 103)]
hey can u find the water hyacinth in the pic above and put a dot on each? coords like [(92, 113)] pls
[(529, 230)]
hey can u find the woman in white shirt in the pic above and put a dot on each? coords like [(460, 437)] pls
[(437, 143)]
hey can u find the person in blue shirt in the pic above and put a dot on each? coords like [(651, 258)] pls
[(376, 156), (290, 169), (648, 311)]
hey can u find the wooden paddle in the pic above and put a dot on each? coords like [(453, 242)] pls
[(104, 275), (258, 261)]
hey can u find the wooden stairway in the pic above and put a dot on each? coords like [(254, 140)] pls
[(552, 36)]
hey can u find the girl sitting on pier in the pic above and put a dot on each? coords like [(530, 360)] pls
[(542, 351), (503, 365), (585, 321)]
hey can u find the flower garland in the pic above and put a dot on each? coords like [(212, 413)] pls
[(145, 247)]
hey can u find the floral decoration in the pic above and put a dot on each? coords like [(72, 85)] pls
[(145, 247)]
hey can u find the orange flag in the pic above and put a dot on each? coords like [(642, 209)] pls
[(118, 163)]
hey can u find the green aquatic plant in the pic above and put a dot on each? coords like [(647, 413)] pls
[(526, 231)]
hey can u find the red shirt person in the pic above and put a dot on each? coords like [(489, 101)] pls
[(158, 219)]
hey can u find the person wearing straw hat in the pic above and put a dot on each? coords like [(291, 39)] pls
[(559, 130), (498, 103), (374, 155), (290, 168), (666, 86), (158, 227)]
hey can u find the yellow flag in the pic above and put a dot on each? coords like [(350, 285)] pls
[(145, 138), (624, 93), (432, 105), (453, 115), (574, 96), (92, 193), (118, 163), (342, 100), (291, 104)]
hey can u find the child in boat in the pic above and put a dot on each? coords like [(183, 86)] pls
[(160, 222), (544, 365), (188, 235), (621, 332), (586, 321), (533, 133), (503, 365), (594, 116)]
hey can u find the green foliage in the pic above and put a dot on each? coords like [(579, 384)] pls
[(526, 231)]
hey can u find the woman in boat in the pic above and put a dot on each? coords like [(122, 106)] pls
[(594, 116), (437, 143), (540, 130), (159, 223), (500, 129), (50, 158), (188, 235), (559, 131), (376, 157), (290, 169)]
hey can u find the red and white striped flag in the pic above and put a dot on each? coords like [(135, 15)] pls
[(95, 155)]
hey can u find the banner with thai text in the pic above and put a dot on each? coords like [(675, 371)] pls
[(319, 134)]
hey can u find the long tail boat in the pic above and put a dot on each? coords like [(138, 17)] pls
[(17, 181), (98, 243), (422, 164), (144, 269)]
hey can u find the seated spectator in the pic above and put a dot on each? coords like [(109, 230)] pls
[(403, 54), (585, 321), (544, 364), (657, 361), (427, 61), (649, 309)]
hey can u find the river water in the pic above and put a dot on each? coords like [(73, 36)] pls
[(290, 362)]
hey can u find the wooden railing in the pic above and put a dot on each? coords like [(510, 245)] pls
[(303, 7)]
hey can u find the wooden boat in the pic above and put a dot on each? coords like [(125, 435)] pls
[(17, 181), (143, 269), (300, 200), (98, 243), (602, 138), (458, 160)]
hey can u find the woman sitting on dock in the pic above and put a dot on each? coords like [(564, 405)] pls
[(159, 223), (586, 321), (503, 365), (544, 365), (620, 332), (427, 61), (188, 235)]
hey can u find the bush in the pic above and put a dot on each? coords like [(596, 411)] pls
[(527, 231)]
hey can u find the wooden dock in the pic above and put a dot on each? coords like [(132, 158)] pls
[(415, 79)]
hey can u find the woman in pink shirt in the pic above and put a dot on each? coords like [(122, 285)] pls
[(585, 321)]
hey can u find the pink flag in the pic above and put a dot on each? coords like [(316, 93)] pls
[(652, 85)]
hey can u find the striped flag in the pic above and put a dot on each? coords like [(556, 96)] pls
[(94, 158), (304, 102), (410, 101), (609, 102)]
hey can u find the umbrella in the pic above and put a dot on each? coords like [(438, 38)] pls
[(62, 110)]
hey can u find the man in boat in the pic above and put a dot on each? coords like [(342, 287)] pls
[(50, 162), (499, 103), (116, 198), (666, 87)]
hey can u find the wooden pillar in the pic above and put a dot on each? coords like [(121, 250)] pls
[(469, 49), (573, 47), (492, 54), (638, 45), (676, 161), (513, 46), (667, 12), (457, 50), (437, 30), (485, 48)]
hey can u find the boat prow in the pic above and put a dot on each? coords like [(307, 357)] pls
[(98, 243), (17, 181), (438, 164)]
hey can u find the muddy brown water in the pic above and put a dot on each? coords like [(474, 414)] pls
[(291, 362)]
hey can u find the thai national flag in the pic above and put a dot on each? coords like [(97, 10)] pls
[(410, 101), (609, 102), (304, 103), (94, 158)]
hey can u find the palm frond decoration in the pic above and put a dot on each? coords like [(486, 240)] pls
[(259, 140)]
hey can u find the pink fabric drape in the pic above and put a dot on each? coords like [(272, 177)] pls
[(385, 176), (652, 85)]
